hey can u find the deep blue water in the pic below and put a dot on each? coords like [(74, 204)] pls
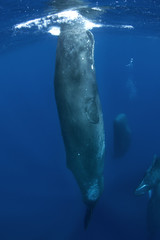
[(39, 198)]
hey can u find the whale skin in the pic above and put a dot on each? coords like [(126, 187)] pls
[(80, 112)]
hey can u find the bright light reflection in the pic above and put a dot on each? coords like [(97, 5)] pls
[(28, 24), (119, 26), (69, 15), (55, 31), (127, 26), (64, 17), (97, 9), (90, 25)]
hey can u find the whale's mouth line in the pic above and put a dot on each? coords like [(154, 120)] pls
[(51, 22), (142, 189)]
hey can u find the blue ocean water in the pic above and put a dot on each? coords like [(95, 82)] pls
[(40, 199)]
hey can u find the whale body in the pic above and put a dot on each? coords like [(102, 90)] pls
[(151, 177), (80, 112), (151, 184), (153, 212), (122, 135)]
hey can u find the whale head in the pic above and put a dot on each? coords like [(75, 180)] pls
[(151, 178)]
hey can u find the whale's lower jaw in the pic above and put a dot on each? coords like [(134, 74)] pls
[(88, 216), (91, 190), (91, 201), (91, 183), (90, 198), (142, 189)]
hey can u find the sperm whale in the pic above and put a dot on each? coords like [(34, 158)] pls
[(80, 111)]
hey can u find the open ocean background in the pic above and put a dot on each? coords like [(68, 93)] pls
[(39, 198)]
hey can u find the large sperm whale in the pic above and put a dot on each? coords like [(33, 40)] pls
[(80, 112)]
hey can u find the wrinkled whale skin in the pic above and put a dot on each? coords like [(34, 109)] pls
[(79, 110)]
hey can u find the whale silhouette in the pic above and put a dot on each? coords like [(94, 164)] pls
[(151, 184), (151, 177), (121, 134), (80, 112)]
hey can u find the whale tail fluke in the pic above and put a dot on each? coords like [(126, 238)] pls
[(87, 217)]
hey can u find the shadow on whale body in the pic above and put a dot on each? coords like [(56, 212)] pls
[(79, 111), (151, 184)]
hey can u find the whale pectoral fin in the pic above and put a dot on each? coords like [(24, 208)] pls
[(91, 110), (88, 216)]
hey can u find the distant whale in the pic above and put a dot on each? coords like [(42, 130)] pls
[(151, 177), (151, 184), (121, 135), (80, 111)]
